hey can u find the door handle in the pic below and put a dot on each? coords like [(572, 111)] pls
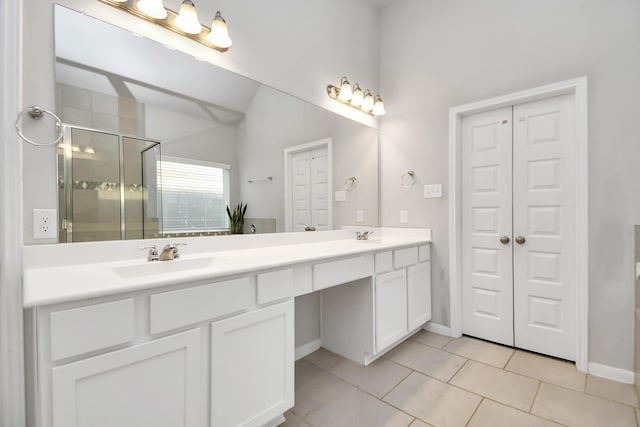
[(505, 240), (520, 240)]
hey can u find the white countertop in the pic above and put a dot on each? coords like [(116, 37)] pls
[(47, 282)]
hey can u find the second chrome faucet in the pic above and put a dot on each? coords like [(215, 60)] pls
[(169, 252)]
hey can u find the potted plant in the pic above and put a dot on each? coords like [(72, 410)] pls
[(236, 218)]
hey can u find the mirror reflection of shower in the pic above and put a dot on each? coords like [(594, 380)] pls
[(108, 186)]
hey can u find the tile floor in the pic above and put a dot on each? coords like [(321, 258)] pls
[(433, 380)]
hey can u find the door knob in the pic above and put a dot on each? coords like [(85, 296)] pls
[(520, 240), (505, 240)]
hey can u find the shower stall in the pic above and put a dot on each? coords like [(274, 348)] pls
[(108, 186)]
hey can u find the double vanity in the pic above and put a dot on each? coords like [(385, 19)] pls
[(208, 339)]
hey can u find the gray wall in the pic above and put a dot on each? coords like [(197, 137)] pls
[(439, 54)]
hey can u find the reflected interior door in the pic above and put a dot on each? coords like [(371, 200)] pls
[(310, 189)]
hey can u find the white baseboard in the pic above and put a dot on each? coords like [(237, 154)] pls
[(611, 373), (437, 328), (307, 349)]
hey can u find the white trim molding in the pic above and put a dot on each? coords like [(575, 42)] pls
[(577, 87), (288, 200), (12, 378), (437, 329), (306, 349), (611, 373)]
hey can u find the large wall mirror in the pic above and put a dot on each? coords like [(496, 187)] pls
[(158, 144)]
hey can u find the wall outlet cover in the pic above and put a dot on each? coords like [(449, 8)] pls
[(359, 216), (45, 224), (404, 217)]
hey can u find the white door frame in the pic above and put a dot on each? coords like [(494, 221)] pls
[(577, 87), (12, 373), (288, 200)]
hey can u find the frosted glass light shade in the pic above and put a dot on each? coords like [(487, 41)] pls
[(219, 35), (152, 8), (367, 103), (187, 19), (378, 107), (346, 93), (358, 96)]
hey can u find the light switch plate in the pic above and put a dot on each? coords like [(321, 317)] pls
[(341, 196), (45, 224), (359, 216), (432, 191), (404, 217)]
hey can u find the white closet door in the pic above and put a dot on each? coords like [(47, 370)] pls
[(319, 189), (301, 189), (486, 217), (544, 212)]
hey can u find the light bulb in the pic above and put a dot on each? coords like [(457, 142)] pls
[(187, 19), (358, 97), (346, 93), (378, 107), (219, 35), (153, 8), (367, 103)]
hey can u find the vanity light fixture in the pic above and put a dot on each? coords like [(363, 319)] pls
[(185, 22), (355, 97)]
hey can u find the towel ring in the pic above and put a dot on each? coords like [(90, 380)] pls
[(37, 113), (408, 179)]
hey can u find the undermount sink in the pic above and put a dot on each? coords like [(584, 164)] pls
[(149, 268)]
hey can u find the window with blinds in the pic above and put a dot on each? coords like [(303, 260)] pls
[(194, 195)]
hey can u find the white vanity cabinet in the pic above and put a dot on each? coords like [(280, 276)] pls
[(402, 295), (252, 366), (216, 353), (152, 384)]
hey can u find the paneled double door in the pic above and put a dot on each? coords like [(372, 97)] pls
[(518, 226)]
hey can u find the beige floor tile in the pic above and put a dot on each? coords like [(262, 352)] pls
[(324, 359), (493, 414), (547, 369), (482, 351), (612, 390), (378, 378), (431, 338), (418, 423), (314, 387), (356, 408), (433, 401), (292, 420), (578, 409), (505, 387), (428, 360)]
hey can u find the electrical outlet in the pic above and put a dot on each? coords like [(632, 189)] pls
[(359, 216), (432, 191), (404, 217), (45, 224)]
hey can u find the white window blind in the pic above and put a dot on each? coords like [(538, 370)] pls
[(194, 195)]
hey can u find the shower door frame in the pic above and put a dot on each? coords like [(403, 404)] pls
[(65, 223)]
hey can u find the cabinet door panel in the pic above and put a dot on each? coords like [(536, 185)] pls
[(252, 366), (419, 297), (391, 308), (155, 384)]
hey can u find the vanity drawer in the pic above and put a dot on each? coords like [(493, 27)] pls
[(81, 330), (424, 253), (333, 273), (176, 309), (384, 262), (275, 285), (405, 257)]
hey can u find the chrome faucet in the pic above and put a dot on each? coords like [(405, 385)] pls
[(364, 235), (253, 228), (153, 252), (170, 251)]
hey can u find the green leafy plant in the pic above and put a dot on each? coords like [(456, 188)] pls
[(236, 218)]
